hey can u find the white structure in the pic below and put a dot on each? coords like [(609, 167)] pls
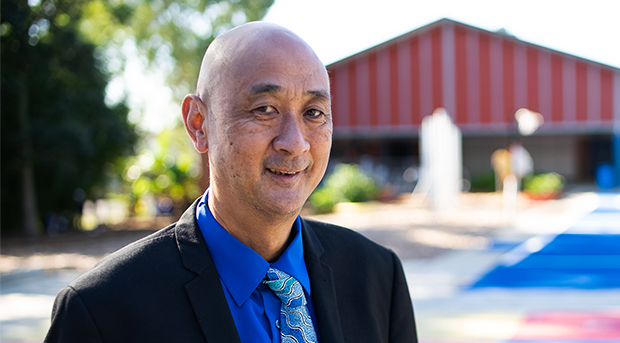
[(440, 161)]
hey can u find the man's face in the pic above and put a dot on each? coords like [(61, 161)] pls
[(269, 131)]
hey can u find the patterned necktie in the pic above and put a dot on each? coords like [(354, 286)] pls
[(295, 322)]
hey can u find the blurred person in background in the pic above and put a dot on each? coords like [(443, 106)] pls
[(500, 160), (521, 162)]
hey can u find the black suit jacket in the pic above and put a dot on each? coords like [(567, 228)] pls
[(165, 288)]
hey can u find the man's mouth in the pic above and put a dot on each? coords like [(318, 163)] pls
[(281, 172)]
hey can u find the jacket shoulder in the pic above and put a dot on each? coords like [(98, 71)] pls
[(142, 257), (338, 240)]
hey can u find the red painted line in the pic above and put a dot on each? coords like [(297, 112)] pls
[(437, 68), (448, 66), (394, 103), (383, 87), (509, 81), (594, 93), (332, 83), (373, 97), (544, 84), (426, 74), (414, 56), (363, 88), (575, 326), (353, 114), (485, 79), (532, 79), (607, 91), (497, 83), (557, 89), (460, 61), (473, 78), (581, 98), (569, 89), (520, 76), (404, 84)]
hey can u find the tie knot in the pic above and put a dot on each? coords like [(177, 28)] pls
[(286, 287)]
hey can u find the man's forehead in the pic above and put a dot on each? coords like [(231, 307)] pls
[(242, 50), (319, 93)]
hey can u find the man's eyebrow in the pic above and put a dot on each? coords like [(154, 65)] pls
[(265, 88), (319, 94), (269, 88)]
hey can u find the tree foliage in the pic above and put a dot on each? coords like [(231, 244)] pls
[(58, 135), (173, 34), (54, 119), (165, 171)]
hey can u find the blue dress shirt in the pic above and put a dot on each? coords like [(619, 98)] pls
[(254, 307)]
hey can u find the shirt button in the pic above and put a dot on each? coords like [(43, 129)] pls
[(278, 323)]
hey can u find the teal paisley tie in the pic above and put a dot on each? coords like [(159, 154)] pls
[(295, 322)]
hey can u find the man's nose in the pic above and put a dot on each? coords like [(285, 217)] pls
[(291, 138)]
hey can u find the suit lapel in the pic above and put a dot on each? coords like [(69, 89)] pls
[(323, 288), (205, 291), (211, 310), (207, 296)]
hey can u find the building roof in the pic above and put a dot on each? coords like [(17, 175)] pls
[(481, 78)]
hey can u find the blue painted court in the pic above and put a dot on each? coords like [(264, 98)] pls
[(586, 256)]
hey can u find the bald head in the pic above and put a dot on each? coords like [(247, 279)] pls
[(262, 113), (245, 48)]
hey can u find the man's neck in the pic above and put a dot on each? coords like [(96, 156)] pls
[(269, 238)]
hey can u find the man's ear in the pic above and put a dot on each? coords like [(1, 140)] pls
[(194, 118)]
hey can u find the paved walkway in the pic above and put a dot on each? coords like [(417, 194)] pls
[(26, 301), (454, 252), (484, 295)]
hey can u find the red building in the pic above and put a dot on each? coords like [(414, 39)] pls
[(481, 78)]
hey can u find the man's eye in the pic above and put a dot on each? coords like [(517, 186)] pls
[(266, 110), (314, 113)]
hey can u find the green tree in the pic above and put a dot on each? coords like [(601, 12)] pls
[(173, 34), (166, 168), (57, 58), (58, 135), (170, 36)]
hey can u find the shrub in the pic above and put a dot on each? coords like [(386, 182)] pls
[(543, 183), (483, 181), (323, 200), (346, 183)]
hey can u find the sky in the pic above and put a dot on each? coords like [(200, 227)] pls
[(336, 29)]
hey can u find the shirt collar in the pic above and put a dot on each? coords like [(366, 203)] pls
[(240, 268)]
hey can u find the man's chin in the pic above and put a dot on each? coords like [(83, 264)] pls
[(281, 207)]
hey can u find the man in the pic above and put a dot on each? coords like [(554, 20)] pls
[(226, 270)]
